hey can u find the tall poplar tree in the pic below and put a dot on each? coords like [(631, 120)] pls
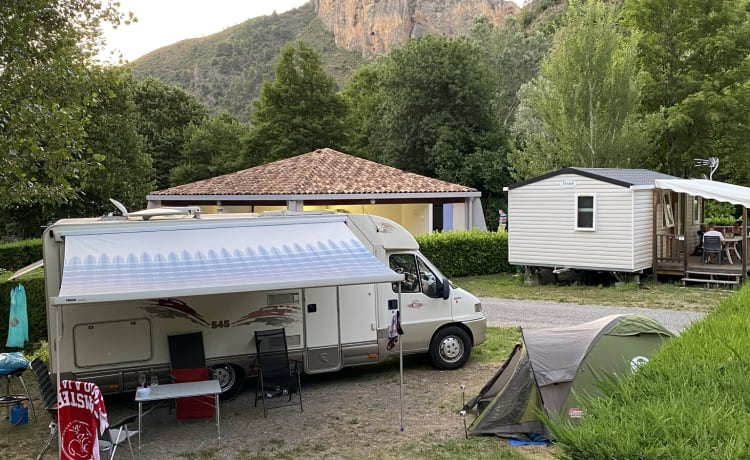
[(582, 108)]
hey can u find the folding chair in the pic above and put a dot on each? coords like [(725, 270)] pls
[(49, 398), (277, 374), (188, 361), (85, 428)]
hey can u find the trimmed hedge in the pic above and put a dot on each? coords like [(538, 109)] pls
[(466, 252), (19, 254), (691, 400)]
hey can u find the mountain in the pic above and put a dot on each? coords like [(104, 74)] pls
[(226, 70)]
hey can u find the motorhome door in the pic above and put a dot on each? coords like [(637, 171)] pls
[(322, 337)]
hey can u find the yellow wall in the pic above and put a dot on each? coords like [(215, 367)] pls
[(416, 218)]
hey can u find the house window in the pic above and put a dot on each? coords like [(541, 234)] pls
[(697, 214), (585, 212)]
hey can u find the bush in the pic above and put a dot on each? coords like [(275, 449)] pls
[(466, 252), (690, 401), (19, 254)]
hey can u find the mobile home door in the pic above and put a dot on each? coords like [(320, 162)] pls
[(322, 337)]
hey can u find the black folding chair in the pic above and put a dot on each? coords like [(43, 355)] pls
[(278, 376), (49, 398)]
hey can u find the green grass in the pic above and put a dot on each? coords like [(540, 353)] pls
[(664, 295)]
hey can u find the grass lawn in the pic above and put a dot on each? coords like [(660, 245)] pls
[(652, 294)]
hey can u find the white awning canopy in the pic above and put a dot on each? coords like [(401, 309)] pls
[(182, 262), (714, 190)]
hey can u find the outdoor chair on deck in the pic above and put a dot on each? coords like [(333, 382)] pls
[(278, 376), (188, 361), (712, 245)]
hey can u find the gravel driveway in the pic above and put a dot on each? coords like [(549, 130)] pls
[(533, 314)]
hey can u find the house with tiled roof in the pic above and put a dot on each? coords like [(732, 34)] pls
[(328, 179)]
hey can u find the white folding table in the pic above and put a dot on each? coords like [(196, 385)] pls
[(180, 390)]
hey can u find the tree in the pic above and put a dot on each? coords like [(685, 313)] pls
[(696, 99), (365, 106), (515, 54), (165, 112), (437, 96), (45, 49), (581, 110), (126, 172), (211, 149), (298, 112)]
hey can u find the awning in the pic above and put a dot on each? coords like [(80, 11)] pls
[(714, 190), (182, 262)]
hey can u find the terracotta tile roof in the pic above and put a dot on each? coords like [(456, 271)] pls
[(324, 171)]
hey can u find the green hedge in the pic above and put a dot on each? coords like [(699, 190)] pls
[(466, 252), (690, 401), (33, 284), (19, 254)]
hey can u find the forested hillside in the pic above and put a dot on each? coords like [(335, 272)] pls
[(226, 70)]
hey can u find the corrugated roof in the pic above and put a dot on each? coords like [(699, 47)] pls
[(616, 176), (324, 171)]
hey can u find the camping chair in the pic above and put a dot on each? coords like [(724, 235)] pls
[(94, 417), (277, 374), (188, 361), (49, 398), (712, 245)]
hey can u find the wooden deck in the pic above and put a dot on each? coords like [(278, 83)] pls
[(707, 274)]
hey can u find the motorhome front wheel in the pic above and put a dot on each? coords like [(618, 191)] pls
[(450, 348)]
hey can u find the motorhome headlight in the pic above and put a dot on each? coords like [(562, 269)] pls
[(478, 307)]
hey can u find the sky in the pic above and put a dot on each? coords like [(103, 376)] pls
[(164, 22)]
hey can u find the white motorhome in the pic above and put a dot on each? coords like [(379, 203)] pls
[(117, 287)]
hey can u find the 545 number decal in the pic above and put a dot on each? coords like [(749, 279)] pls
[(219, 324)]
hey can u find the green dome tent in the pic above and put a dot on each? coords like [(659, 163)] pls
[(550, 367)]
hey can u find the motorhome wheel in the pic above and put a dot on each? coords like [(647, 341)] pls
[(450, 348), (231, 379)]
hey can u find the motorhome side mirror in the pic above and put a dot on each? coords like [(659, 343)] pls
[(446, 288), (393, 304)]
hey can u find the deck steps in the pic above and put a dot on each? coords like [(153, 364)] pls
[(711, 279)]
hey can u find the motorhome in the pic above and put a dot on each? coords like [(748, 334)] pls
[(118, 286)]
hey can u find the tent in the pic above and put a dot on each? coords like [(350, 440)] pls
[(551, 368)]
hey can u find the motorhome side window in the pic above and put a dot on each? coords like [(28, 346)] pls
[(417, 275), (428, 280), (405, 264), (585, 212)]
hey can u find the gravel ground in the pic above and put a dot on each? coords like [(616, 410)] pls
[(355, 413), (532, 314)]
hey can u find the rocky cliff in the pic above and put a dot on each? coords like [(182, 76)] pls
[(373, 27)]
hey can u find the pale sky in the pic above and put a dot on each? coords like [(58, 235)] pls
[(164, 22)]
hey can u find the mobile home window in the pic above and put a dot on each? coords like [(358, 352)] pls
[(585, 212)]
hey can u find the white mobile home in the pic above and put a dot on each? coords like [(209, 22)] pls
[(586, 218)]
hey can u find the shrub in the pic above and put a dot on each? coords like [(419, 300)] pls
[(19, 254), (466, 252), (690, 401)]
